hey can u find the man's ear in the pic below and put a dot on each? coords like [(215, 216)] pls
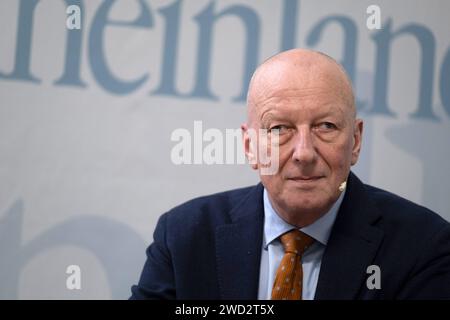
[(249, 149), (357, 140)]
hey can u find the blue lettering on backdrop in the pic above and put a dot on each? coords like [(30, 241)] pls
[(383, 40), (170, 50), (21, 69), (348, 48), (71, 75), (93, 233), (206, 20), (444, 81), (97, 55), (289, 25)]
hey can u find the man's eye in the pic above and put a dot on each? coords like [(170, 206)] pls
[(280, 128), (327, 126)]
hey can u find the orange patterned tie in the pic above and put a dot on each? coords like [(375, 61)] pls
[(289, 277)]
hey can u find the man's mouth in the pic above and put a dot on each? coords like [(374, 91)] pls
[(305, 178)]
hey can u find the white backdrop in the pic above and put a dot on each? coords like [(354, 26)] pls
[(86, 118)]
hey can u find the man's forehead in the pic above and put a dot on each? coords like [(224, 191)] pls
[(315, 77), (299, 63), (280, 93), (292, 111), (285, 80), (319, 99)]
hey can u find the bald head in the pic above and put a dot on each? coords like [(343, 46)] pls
[(299, 69), (304, 101)]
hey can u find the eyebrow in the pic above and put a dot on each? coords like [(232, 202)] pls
[(272, 115), (332, 111), (268, 117)]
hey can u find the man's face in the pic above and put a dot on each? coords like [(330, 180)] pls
[(319, 140)]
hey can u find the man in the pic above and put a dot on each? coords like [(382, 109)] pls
[(311, 230)]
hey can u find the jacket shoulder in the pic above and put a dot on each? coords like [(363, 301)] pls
[(213, 208), (405, 214)]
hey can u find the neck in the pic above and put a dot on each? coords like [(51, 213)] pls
[(300, 217)]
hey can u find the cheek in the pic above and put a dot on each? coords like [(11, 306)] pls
[(272, 183), (285, 154), (275, 182), (337, 157)]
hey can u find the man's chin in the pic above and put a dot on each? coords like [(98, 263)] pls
[(304, 204), (302, 215)]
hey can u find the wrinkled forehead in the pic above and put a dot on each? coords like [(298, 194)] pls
[(308, 80)]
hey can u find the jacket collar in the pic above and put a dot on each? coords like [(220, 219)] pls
[(238, 248), (353, 243)]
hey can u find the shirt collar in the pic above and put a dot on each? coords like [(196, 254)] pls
[(275, 226)]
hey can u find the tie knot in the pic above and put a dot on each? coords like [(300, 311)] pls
[(296, 241)]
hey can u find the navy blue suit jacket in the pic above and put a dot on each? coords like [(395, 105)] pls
[(210, 248)]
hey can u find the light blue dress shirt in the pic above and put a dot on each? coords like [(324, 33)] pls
[(273, 252)]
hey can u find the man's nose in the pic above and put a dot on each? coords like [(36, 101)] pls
[(304, 148)]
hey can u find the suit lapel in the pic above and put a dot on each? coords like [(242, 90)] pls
[(352, 246), (238, 248)]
